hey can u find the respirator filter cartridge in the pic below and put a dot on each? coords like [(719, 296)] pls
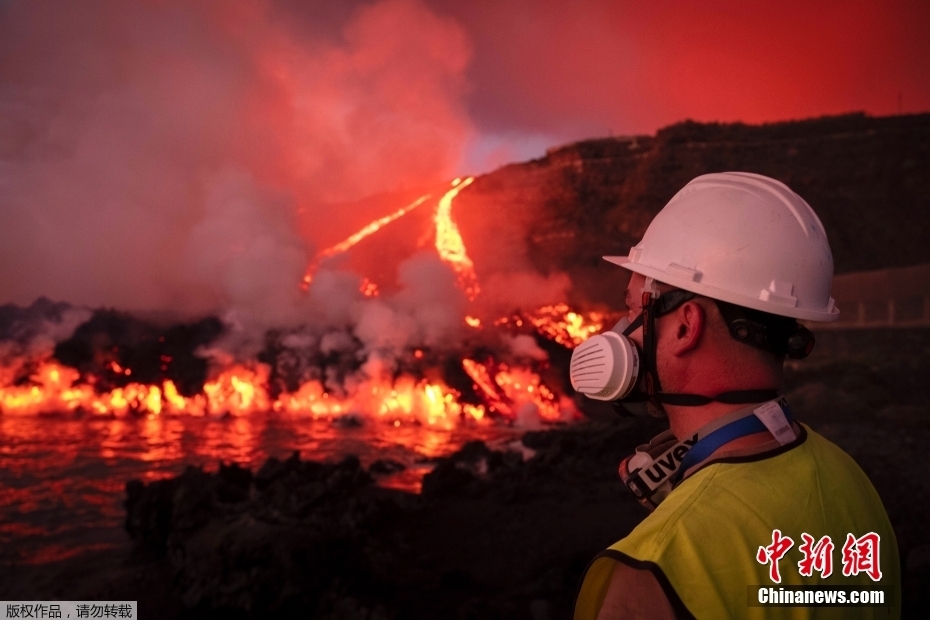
[(605, 367)]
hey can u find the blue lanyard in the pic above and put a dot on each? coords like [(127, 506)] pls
[(706, 446)]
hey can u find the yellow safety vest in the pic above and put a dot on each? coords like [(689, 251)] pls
[(702, 541)]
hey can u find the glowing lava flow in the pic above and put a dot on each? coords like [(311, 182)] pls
[(509, 394), (237, 391), (505, 393), (516, 392), (367, 231), (449, 242), (240, 390), (566, 327), (368, 288), (559, 323)]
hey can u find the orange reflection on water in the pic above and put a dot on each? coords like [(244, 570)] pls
[(231, 439), (114, 435), (62, 483), (162, 438)]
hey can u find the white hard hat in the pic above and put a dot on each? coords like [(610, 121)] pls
[(741, 238)]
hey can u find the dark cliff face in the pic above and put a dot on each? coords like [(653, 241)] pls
[(867, 178)]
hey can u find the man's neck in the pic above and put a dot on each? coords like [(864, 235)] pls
[(709, 379), (686, 421)]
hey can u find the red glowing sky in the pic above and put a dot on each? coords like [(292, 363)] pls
[(157, 153), (543, 69)]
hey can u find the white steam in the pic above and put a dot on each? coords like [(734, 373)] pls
[(154, 155)]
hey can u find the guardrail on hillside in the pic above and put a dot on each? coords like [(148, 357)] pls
[(897, 297)]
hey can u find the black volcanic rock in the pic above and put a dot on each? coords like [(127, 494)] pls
[(150, 353), (386, 466), (486, 539), (277, 540), (22, 323)]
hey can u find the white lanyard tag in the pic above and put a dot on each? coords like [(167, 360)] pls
[(773, 417)]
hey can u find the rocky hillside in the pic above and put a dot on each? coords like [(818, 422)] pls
[(867, 178)]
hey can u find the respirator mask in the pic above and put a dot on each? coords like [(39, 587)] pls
[(611, 367), (607, 366)]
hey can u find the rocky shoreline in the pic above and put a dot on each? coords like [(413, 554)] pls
[(490, 536)]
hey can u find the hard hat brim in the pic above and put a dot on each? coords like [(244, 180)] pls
[(825, 315)]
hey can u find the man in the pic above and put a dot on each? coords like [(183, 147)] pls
[(746, 499)]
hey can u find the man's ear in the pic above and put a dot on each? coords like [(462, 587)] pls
[(690, 324)]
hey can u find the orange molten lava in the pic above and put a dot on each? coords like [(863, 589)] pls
[(365, 232), (368, 288), (241, 389), (406, 400), (54, 388), (449, 242), (560, 323), (516, 392)]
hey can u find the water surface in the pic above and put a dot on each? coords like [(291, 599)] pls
[(63, 476)]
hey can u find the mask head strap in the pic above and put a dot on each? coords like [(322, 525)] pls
[(654, 306), (651, 377)]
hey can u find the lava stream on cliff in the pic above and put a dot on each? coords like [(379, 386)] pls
[(367, 231), (449, 241)]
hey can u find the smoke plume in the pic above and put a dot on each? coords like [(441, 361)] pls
[(155, 155)]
